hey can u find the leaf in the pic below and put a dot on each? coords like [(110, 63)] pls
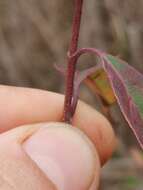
[(101, 82), (127, 84), (125, 81)]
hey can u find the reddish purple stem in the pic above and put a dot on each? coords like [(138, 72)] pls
[(72, 61)]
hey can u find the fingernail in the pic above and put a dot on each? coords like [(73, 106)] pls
[(65, 155)]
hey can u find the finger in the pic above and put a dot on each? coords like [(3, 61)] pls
[(49, 157), (97, 128), (22, 106)]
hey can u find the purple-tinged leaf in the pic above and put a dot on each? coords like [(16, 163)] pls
[(127, 84), (80, 76)]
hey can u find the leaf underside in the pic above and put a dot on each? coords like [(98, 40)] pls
[(127, 84), (115, 79)]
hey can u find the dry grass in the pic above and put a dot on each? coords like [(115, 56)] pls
[(34, 35)]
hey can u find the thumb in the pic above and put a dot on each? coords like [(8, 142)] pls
[(48, 156)]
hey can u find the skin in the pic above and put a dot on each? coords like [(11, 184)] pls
[(37, 152)]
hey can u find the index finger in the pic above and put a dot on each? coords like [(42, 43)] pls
[(20, 106)]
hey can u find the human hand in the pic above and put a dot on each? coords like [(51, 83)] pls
[(50, 156)]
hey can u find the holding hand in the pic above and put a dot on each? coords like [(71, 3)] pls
[(50, 156)]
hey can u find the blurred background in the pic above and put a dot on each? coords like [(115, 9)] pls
[(34, 35)]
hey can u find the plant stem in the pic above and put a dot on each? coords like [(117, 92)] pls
[(72, 61)]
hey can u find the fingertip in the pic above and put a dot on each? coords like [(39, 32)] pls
[(97, 128), (20, 106), (65, 155)]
